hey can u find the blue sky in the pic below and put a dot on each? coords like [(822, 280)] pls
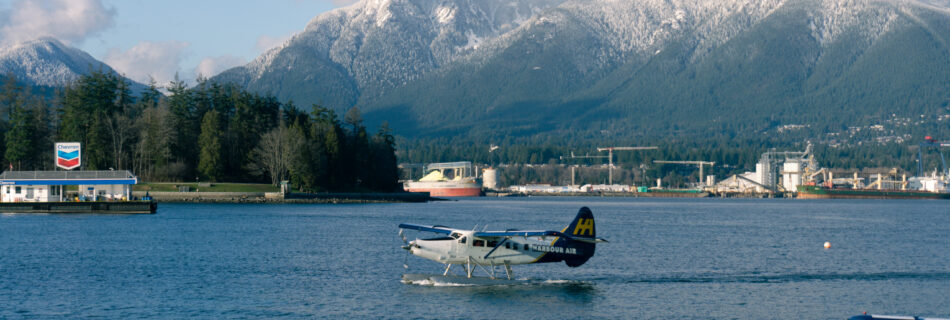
[(156, 39)]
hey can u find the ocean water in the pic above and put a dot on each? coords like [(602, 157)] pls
[(667, 258)]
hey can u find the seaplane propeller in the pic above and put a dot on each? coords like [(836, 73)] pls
[(407, 246)]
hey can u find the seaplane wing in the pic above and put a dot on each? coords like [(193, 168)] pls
[(436, 229), (469, 248), (536, 233)]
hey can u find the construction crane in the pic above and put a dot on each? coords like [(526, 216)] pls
[(572, 156), (700, 163), (931, 143), (610, 158)]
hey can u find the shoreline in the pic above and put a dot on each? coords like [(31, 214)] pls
[(279, 198), (652, 194)]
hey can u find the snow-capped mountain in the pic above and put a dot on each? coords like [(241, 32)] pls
[(558, 63), (376, 45), (50, 63)]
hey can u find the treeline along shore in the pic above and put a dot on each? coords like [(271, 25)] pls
[(275, 197), (209, 132)]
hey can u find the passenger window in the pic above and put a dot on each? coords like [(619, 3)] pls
[(525, 247), (492, 244), (18, 190), (507, 245), (479, 243), (462, 240)]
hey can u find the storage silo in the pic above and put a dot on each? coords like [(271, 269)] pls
[(490, 178), (791, 175)]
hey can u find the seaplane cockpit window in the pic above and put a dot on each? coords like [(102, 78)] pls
[(462, 241), (525, 247), (479, 243), (455, 235)]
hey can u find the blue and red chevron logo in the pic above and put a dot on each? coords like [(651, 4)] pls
[(67, 155)]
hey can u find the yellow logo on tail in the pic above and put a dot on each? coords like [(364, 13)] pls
[(584, 227)]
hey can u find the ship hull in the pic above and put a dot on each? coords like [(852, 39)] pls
[(446, 189), (814, 192)]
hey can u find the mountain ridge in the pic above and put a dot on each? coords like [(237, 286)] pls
[(602, 64), (48, 62)]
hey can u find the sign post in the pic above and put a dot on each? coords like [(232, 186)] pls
[(68, 155)]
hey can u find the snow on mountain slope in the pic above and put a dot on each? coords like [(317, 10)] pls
[(385, 43), (48, 62), (466, 59)]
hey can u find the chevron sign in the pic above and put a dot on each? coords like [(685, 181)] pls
[(67, 155)]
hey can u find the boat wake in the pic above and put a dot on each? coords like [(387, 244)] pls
[(438, 280)]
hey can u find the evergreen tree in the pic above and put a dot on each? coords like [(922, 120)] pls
[(19, 138), (326, 130), (210, 164), (98, 144), (185, 121), (11, 95), (384, 171), (42, 143)]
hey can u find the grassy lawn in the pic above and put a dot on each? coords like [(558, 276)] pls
[(215, 187)]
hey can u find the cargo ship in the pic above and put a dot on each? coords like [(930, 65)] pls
[(818, 192), (448, 179)]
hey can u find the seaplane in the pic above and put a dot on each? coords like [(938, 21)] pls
[(486, 250)]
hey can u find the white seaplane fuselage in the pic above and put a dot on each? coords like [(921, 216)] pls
[(460, 246), (573, 245)]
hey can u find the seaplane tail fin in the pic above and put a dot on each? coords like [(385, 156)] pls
[(583, 224), (580, 229)]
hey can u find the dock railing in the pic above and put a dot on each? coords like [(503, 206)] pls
[(66, 175)]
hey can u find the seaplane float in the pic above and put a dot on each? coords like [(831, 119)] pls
[(487, 250)]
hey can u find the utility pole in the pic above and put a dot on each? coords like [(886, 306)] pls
[(700, 163), (610, 157)]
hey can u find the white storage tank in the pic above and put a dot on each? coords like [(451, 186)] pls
[(490, 178), (791, 175), (760, 173)]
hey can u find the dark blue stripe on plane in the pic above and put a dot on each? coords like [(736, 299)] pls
[(68, 155), (495, 248)]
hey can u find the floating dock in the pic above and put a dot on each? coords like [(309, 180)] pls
[(120, 207)]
